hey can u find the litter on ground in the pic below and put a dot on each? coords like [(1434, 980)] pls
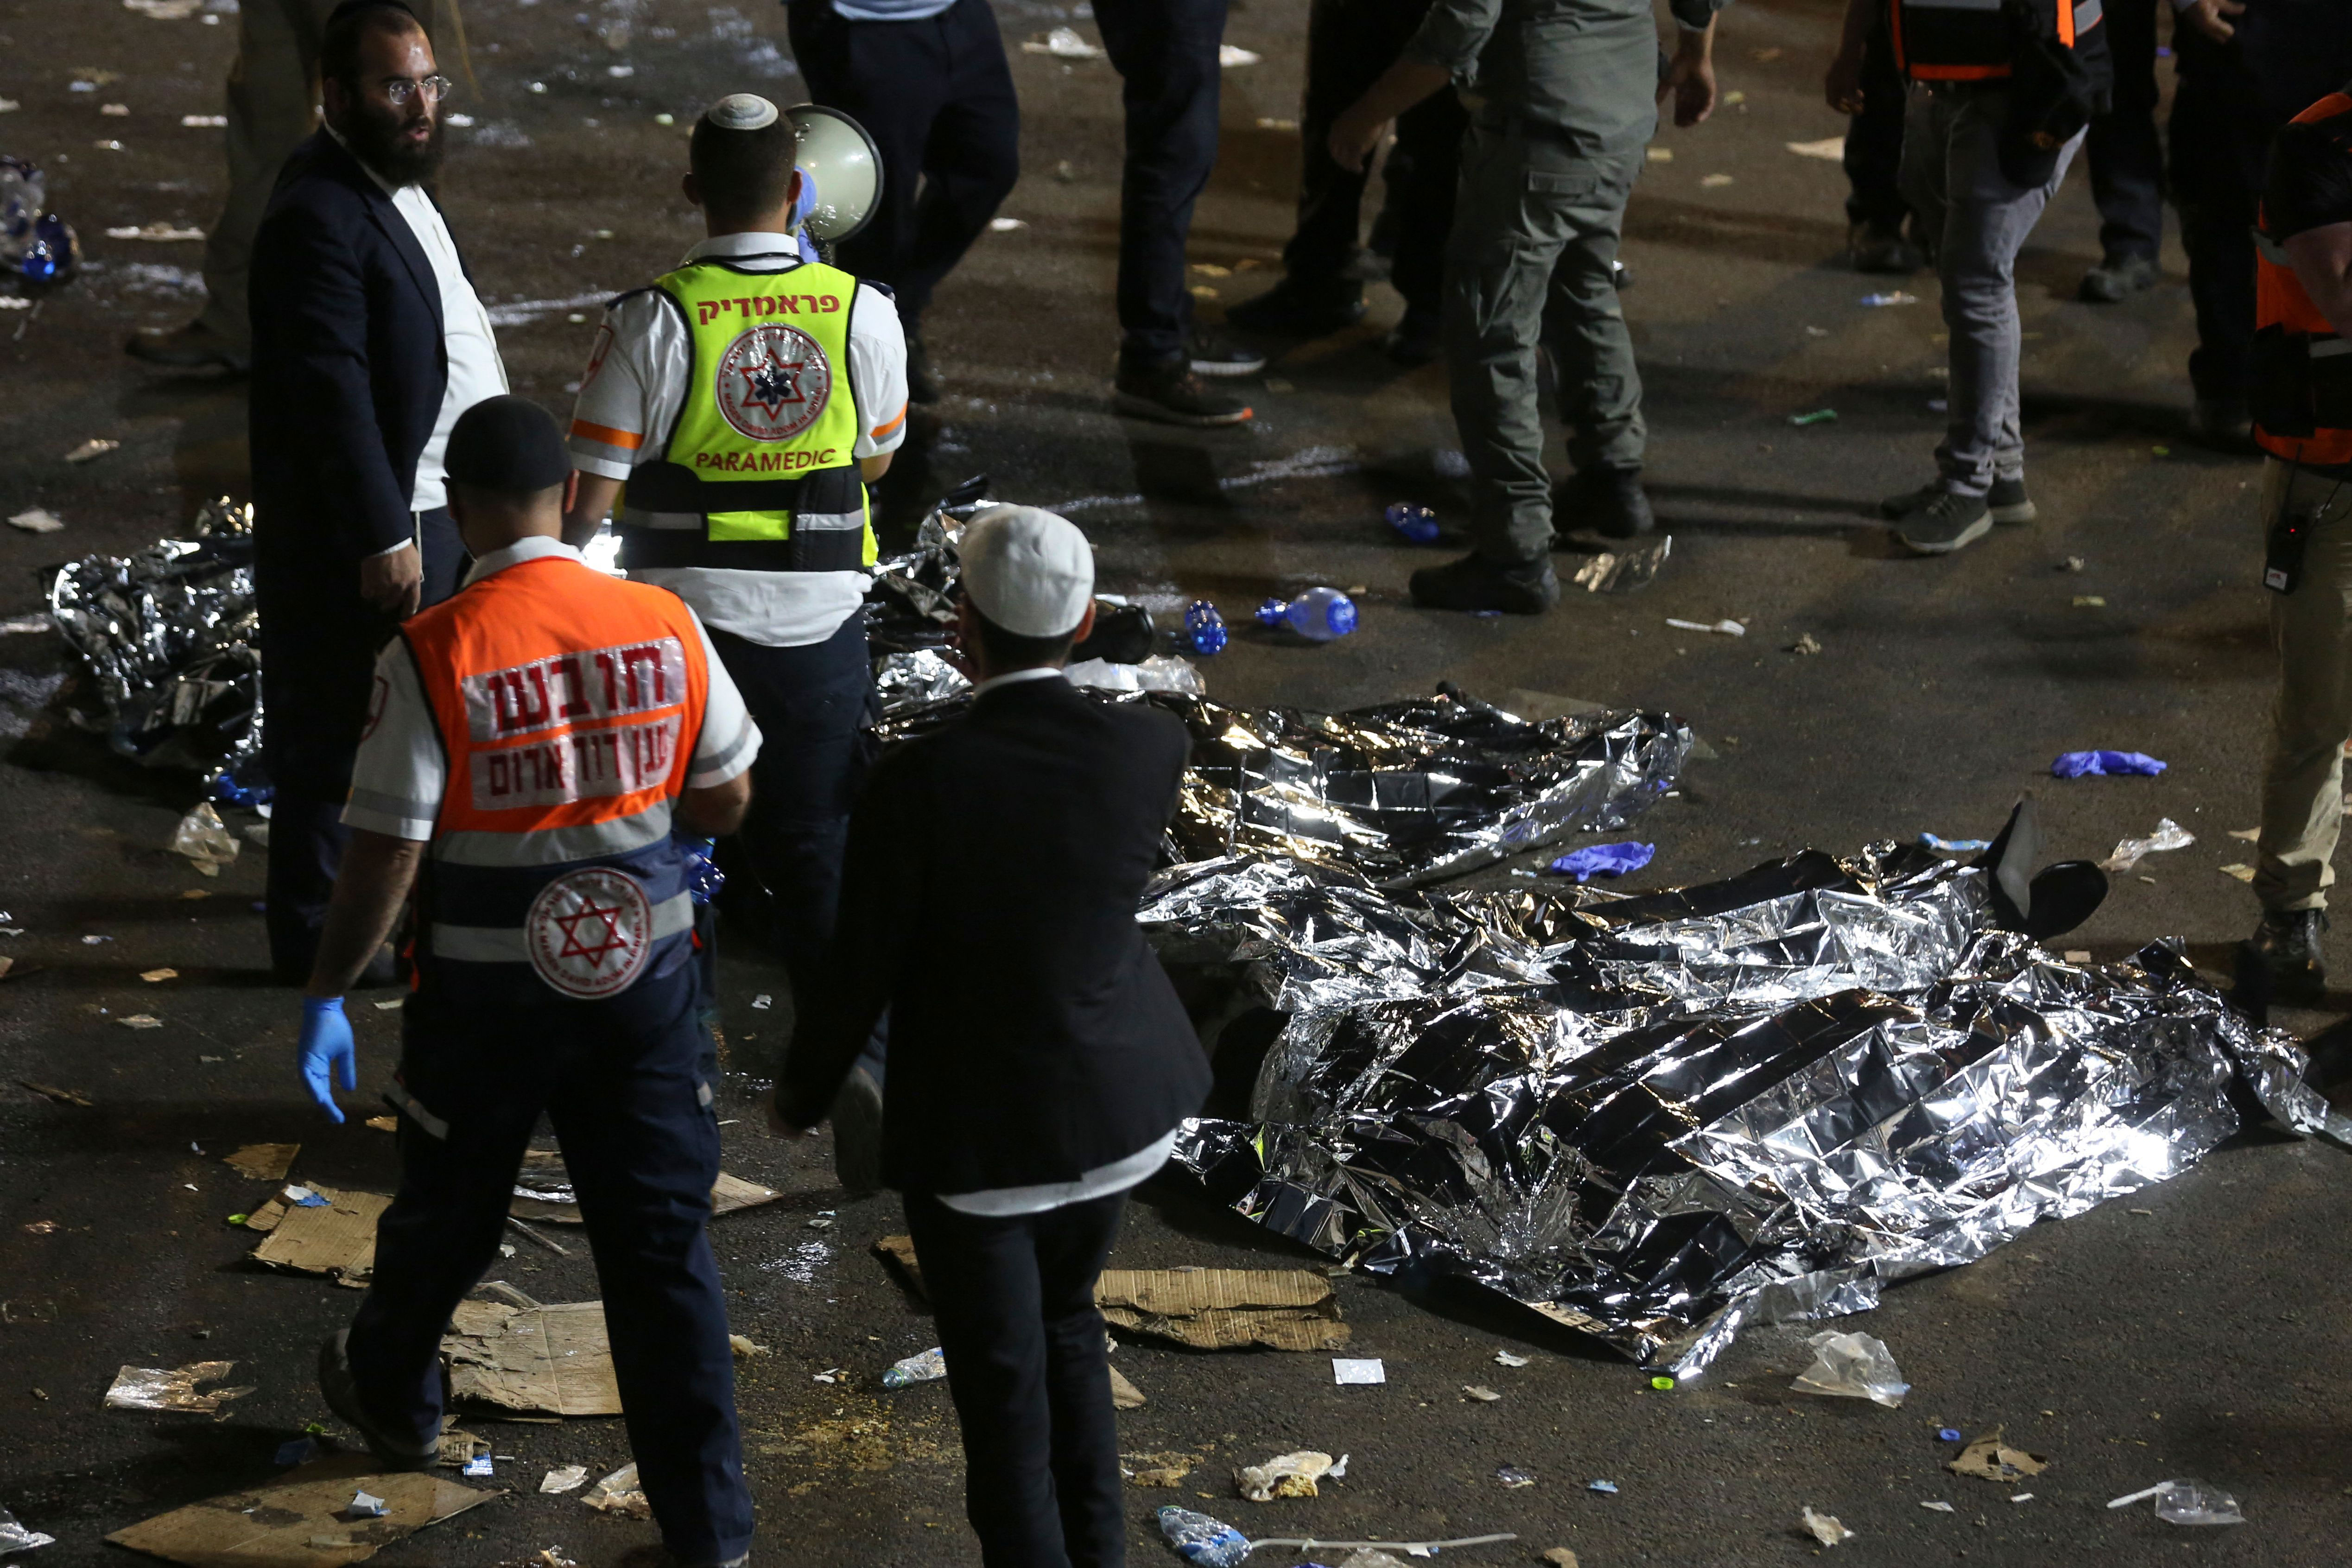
[(1851, 1366), (173, 1388)]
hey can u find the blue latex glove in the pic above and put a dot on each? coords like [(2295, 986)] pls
[(2105, 765), (326, 1047), (1603, 860)]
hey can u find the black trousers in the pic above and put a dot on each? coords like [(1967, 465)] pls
[(2221, 133), (1874, 141), (317, 672), (814, 706), (1165, 52), (937, 97), (1026, 1367), (626, 1084), (2126, 156), (1349, 44)]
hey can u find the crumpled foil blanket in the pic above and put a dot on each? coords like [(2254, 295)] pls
[(169, 635), (1656, 1118)]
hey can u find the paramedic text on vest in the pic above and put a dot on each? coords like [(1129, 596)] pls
[(532, 743), (2302, 404), (731, 411)]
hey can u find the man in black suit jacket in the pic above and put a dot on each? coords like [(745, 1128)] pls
[(368, 342), (1040, 1061)]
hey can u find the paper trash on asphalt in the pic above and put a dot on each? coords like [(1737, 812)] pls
[(1988, 1458), (1825, 1527), (543, 1194), (619, 1493), (564, 1478), (263, 1161), (37, 520), (1283, 1476), (1365, 1370), (302, 1520), (1063, 43), (336, 1238), (1623, 571), (173, 1388), (1225, 1309), (551, 1360)]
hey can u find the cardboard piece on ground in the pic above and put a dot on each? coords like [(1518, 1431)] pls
[(552, 1360), (263, 1161), (338, 1241), (543, 1169), (1206, 1309), (1225, 1309), (1124, 1395), (1989, 1459), (301, 1521)]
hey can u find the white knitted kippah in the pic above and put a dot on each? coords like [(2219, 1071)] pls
[(742, 112)]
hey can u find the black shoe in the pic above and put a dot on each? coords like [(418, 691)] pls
[(857, 1133), (2224, 423), (193, 347), (2285, 947), (1416, 339), (1213, 354), (1474, 583), (2117, 279), (1877, 247), (1621, 277), (922, 381), (2006, 500), (342, 1396), (1291, 309), (1171, 393), (1945, 524), (1608, 505)]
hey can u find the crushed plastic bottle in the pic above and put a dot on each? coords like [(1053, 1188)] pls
[(1418, 523), (1851, 1366), (928, 1367), (1204, 629), (1197, 1538), (1319, 614)]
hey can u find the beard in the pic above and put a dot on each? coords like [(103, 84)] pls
[(374, 134)]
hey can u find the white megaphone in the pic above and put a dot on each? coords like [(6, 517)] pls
[(841, 173)]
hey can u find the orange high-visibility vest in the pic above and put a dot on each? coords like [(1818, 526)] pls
[(2300, 377), (1968, 40), (569, 704)]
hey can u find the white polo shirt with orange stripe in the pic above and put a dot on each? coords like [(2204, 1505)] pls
[(630, 401)]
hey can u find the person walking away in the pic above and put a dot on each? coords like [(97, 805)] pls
[(1562, 96), (746, 399), (369, 341), (2127, 161), (1165, 52), (538, 739), (1995, 115), (928, 80), (2302, 385), (273, 96), (1040, 1061), (1349, 44)]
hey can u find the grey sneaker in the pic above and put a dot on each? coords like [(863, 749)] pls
[(2117, 279), (1477, 584), (2006, 500), (1212, 352), (1948, 523)]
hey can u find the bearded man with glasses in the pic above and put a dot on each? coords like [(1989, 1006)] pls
[(368, 343)]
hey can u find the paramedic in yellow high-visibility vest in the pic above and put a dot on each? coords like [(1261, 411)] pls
[(729, 420)]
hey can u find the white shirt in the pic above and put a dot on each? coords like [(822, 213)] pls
[(475, 370), (401, 771), (630, 401)]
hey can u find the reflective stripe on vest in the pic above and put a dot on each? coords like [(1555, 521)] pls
[(2299, 376), (569, 705), (1969, 40), (759, 472)]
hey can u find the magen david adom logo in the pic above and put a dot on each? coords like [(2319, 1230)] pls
[(773, 381), (589, 933)]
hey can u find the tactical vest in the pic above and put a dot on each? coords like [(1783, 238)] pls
[(759, 471), (2300, 373), (569, 704), (1969, 40)]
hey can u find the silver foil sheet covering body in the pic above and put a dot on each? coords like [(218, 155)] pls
[(169, 636), (1656, 1118)]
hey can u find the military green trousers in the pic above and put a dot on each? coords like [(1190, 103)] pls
[(1535, 231)]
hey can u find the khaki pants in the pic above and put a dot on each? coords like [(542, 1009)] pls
[(2303, 778), (273, 97)]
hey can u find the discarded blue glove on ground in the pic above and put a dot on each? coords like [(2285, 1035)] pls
[(2105, 765), (1603, 860), (1953, 846)]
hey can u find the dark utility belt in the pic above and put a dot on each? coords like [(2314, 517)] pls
[(2299, 385), (827, 512)]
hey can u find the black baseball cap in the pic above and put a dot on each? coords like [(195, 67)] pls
[(509, 445)]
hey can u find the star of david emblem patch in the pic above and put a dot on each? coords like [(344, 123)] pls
[(589, 933), (772, 383)]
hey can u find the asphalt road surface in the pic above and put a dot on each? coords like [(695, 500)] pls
[(2197, 1331)]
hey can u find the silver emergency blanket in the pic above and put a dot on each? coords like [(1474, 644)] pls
[(169, 636), (1656, 1118)]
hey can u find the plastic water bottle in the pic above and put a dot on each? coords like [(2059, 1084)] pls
[(1319, 614), (703, 876), (1418, 523), (21, 193), (50, 257), (1204, 629), (1198, 1538)]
